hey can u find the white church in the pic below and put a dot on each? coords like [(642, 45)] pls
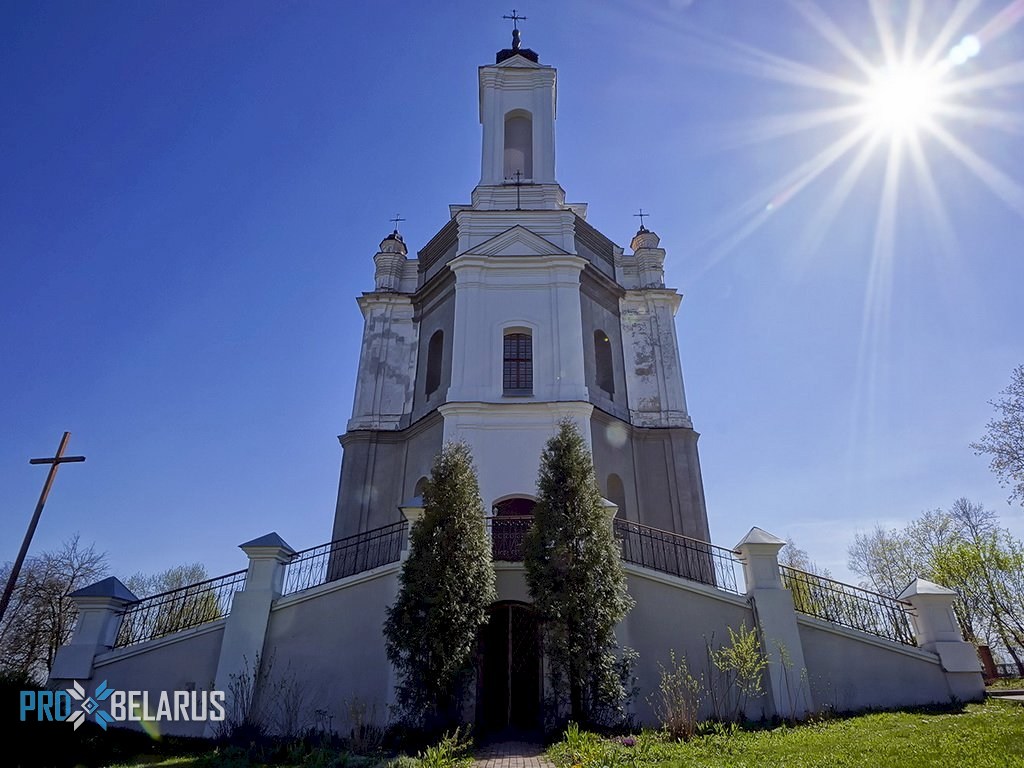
[(516, 314)]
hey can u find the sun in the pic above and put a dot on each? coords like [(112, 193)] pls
[(902, 99), (920, 96), (885, 123)]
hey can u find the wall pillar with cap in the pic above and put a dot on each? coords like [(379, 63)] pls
[(412, 511), (937, 630), (101, 607), (775, 614), (245, 630)]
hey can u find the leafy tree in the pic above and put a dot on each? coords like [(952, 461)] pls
[(795, 557), (809, 588), (143, 585), (885, 559), (965, 549), (1004, 440), (41, 616), (185, 608), (574, 572), (445, 589), (987, 566)]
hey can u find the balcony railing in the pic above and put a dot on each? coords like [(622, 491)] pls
[(507, 534), (178, 609), (653, 548), (345, 557), (849, 606), (679, 555)]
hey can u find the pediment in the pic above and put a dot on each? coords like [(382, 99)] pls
[(518, 241), (517, 60)]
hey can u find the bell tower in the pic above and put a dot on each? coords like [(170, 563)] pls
[(517, 111)]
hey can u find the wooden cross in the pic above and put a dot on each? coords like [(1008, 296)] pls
[(641, 216), (397, 218), (54, 463)]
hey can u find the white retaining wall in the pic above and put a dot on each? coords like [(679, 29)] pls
[(327, 643)]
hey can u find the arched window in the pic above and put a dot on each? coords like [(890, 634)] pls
[(517, 370), (421, 486), (435, 351), (603, 361), (617, 494), (518, 145)]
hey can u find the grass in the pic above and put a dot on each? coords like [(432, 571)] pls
[(989, 734), (452, 751), (1003, 683)]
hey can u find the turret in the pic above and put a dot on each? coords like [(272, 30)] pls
[(390, 263), (650, 259)]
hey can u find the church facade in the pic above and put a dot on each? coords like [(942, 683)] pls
[(518, 313)]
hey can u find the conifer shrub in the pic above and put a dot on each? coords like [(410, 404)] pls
[(577, 583), (445, 588)]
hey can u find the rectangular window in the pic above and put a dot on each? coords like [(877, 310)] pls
[(517, 375)]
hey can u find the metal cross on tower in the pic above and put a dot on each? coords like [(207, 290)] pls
[(395, 219), (515, 19), (641, 217), (54, 463)]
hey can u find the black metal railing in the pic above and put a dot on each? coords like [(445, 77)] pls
[(507, 533), (178, 609), (345, 557), (849, 606), (679, 555)]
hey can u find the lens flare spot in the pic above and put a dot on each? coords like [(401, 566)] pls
[(966, 49), (616, 435)]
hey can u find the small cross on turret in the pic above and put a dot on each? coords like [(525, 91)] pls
[(515, 19), (395, 219), (641, 217)]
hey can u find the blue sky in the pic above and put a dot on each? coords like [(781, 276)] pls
[(191, 194)]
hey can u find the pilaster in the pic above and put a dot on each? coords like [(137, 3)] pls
[(650, 350), (387, 362)]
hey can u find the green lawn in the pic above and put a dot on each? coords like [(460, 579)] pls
[(989, 735), (1003, 683)]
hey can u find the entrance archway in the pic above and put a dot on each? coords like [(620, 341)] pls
[(509, 678)]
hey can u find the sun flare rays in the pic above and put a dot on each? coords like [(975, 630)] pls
[(893, 104), (914, 89)]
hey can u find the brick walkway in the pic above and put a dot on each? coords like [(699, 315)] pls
[(511, 754)]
